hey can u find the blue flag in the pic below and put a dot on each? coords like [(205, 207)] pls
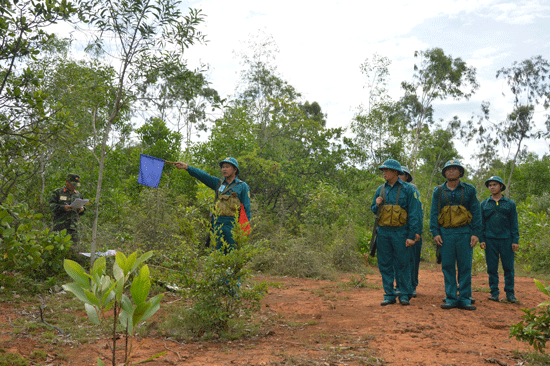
[(150, 170)]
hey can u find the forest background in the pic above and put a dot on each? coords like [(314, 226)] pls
[(311, 185)]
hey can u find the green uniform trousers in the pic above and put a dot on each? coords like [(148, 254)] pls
[(494, 249), (394, 261), (456, 256)]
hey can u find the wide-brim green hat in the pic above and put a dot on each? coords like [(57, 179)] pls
[(391, 164), (407, 173), (495, 178), (451, 163), (231, 161)]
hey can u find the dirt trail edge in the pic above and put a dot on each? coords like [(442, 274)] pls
[(308, 322)]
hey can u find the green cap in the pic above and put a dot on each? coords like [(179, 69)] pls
[(74, 179), (495, 178)]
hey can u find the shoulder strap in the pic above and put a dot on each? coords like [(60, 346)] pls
[(233, 184), (398, 190)]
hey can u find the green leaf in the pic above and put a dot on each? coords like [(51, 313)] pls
[(6, 220), (139, 311), (142, 259), (99, 268), (121, 261), (140, 286), (77, 273), (91, 297), (92, 313), (118, 273), (77, 290), (155, 306)]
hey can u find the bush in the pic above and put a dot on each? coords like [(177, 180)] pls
[(214, 281), (28, 246), (534, 327), (534, 230)]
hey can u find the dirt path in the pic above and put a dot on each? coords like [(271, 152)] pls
[(311, 322)]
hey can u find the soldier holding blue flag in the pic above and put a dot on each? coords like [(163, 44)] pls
[(232, 195)]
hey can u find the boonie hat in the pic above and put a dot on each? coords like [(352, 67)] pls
[(391, 164), (408, 173), (451, 163), (495, 178)]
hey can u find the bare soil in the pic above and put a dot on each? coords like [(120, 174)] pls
[(329, 323)]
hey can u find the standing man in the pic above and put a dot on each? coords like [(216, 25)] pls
[(500, 237), (64, 216), (455, 223), (231, 192), (417, 247), (398, 226)]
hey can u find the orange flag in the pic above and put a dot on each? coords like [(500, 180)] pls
[(243, 221)]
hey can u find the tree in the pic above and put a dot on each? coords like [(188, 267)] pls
[(379, 127), (137, 30), (529, 83), (26, 121), (436, 77)]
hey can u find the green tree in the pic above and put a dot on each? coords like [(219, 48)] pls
[(137, 30), (436, 77), (26, 121)]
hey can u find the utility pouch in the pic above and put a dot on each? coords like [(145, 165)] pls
[(454, 216), (392, 216), (228, 204)]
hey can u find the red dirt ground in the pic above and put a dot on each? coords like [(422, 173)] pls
[(331, 323)]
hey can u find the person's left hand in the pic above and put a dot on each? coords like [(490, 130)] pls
[(80, 209), (515, 247), (409, 243), (473, 241), (417, 237)]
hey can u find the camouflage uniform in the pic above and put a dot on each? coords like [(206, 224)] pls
[(66, 219)]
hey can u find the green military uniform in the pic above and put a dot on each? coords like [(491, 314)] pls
[(500, 230), (456, 251), (63, 219), (222, 225), (394, 257), (417, 247)]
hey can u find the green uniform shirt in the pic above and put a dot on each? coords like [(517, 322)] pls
[(240, 187), (499, 219), (64, 219), (408, 200), (464, 194)]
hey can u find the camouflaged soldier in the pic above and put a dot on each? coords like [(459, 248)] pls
[(64, 217)]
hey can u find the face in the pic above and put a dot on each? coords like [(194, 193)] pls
[(494, 187), (403, 177), (389, 174), (452, 173), (69, 186), (228, 170)]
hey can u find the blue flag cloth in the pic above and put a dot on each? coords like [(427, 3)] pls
[(150, 170)]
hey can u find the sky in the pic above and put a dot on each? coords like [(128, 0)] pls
[(323, 43)]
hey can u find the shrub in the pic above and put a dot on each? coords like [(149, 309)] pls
[(534, 327), (27, 245)]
